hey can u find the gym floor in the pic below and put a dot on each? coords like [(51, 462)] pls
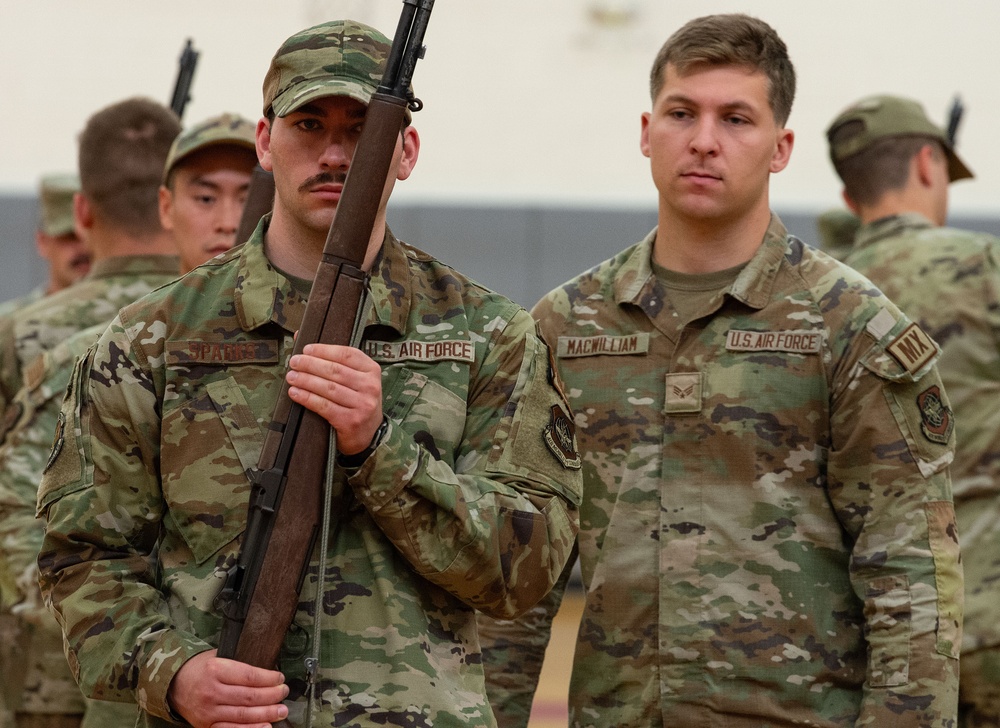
[(549, 708)]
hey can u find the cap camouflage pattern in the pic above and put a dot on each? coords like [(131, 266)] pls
[(56, 198), (338, 58), (223, 129), (879, 117)]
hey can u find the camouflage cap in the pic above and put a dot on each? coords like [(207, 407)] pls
[(338, 58), (226, 128), (56, 201), (879, 117)]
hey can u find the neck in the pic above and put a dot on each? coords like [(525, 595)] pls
[(687, 245), (297, 249), (107, 241), (897, 202)]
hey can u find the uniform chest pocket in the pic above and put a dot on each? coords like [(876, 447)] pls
[(211, 442)]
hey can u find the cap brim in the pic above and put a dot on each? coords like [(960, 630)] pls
[(302, 93), (956, 167)]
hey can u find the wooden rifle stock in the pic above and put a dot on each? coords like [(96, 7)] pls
[(260, 200), (261, 595)]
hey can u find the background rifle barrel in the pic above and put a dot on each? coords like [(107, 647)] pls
[(185, 75)]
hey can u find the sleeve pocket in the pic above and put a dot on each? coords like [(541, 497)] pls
[(943, 536), (888, 614)]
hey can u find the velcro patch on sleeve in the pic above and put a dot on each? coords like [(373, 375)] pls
[(560, 436), (912, 348)]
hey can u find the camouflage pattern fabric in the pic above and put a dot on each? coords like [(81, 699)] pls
[(225, 129), (836, 229), (49, 686), (466, 502), (767, 535), (948, 281), (15, 304), (111, 283)]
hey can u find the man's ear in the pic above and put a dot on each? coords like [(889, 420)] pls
[(83, 215), (849, 201), (923, 165), (782, 150), (263, 143), (411, 150), (166, 200)]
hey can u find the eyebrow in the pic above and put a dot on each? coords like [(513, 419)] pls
[(735, 105)]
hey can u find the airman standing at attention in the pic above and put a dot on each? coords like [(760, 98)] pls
[(122, 151), (452, 489), (767, 534), (896, 166)]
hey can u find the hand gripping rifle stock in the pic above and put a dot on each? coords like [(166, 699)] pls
[(261, 594)]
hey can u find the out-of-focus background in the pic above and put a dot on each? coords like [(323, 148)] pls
[(530, 169)]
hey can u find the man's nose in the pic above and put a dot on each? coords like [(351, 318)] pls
[(704, 139)]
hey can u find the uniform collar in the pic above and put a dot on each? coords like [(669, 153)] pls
[(135, 265), (635, 282), (885, 227), (264, 295)]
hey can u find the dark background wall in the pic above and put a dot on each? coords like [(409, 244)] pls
[(523, 251)]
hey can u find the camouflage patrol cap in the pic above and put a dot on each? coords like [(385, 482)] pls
[(338, 58), (880, 117), (230, 129), (56, 199)]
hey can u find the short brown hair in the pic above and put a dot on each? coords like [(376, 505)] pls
[(123, 149), (882, 166), (731, 39)]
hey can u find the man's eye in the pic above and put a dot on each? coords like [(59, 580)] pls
[(308, 124)]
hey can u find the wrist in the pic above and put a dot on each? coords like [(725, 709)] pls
[(358, 459)]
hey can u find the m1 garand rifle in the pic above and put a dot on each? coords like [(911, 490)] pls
[(259, 201), (955, 112), (185, 75), (261, 594)]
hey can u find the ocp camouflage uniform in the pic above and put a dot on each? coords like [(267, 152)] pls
[(110, 284), (463, 503), (767, 535), (15, 304), (47, 686), (948, 281)]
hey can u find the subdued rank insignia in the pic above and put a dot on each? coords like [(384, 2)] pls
[(57, 441), (560, 436), (683, 394), (936, 421)]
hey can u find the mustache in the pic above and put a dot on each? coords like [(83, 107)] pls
[(323, 178)]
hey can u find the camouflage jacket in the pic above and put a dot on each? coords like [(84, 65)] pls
[(465, 502), (110, 284), (39, 678), (948, 281), (15, 304), (767, 535)]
